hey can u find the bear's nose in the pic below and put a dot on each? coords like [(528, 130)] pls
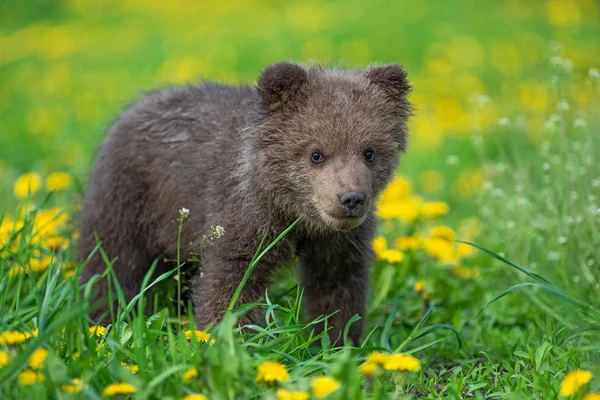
[(352, 201)]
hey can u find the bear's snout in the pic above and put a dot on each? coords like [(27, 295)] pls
[(353, 202)]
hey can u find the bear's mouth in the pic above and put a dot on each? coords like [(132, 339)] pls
[(342, 222)]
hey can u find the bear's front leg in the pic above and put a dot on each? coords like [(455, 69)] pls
[(335, 277)]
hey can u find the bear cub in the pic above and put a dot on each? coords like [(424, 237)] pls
[(311, 143)]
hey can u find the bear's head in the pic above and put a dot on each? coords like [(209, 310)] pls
[(329, 139)]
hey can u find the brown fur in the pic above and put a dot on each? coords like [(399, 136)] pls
[(240, 157)]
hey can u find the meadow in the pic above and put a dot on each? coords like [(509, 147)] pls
[(486, 282)]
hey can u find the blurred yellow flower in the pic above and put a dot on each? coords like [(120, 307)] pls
[(592, 396), (442, 232), (97, 330), (58, 181), (4, 358), (118, 388), (419, 286), (563, 12), (13, 337), (38, 265), (398, 189), (406, 209), (465, 272), (379, 244), (190, 374), (573, 381), (408, 243), (133, 367), (469, 228), (323, 386), (200, 336), (75, 386), (37, 358), (377, 358), (392, 256), (29, 377), (401, 362), (464, 250), (434, 209), (271, 371), (194, 396), (431, 181), (441, 249), (368, 369), (27, 184), (283, 394)]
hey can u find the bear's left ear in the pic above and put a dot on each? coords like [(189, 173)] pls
[(392, 79), (280, 83)]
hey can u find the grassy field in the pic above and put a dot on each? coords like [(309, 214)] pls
[(503, 155)]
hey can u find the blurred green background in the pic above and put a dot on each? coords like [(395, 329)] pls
[(67, 68)]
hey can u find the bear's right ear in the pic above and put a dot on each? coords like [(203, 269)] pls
[(279, 83)]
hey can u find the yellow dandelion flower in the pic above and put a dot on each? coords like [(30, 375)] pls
[(573, 381), (377, 358), (194, 396), (200, 336), (392, 256), (55, 243), (133, 367), (368, 369), (323, 386), (408, 243), (97, 330), (592, 396), (16, 270), (441, 249), (4, 358), (75, 386), (379, 244), (419, 286), (190, 374), (406, 209), (464, 250), (118, 388), (434, 209), (27, 184), (37, 358), (431, 181), (283, 394), (58, 181), (29, 377), (402, 362), (13, 337), (397, 190), (442, 232), (465, 272), (270, 371), (39, 265)]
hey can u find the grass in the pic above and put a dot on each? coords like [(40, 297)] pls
[(506, 135)]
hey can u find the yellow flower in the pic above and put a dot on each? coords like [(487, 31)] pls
[(27, 184), (377, 358), (368, 369), (408, 243), (431, 181), (406, 209), (401, 362), (592, 396), (464, 250), (441, 249), (283, 394), (465, 272), (133, 368), (74, 387), (469, 228), (434, 209), (97, 330), (398, 189), (200, 336), (419, 286), (4, 358), (38, 265), (573, 381), (443, 232), (323, 386), (118, 388), (13, 337), (190, 374), (29, 377), (58, 181), (270, 371), (194, 396), (379, 244), (37, 358), (55, 243), (392, 256)]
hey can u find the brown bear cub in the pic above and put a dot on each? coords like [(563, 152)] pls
[(311, 143)]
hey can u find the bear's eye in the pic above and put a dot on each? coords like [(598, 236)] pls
[(317, 157), (369, 156)]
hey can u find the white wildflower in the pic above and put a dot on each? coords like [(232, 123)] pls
[(184, 212)]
